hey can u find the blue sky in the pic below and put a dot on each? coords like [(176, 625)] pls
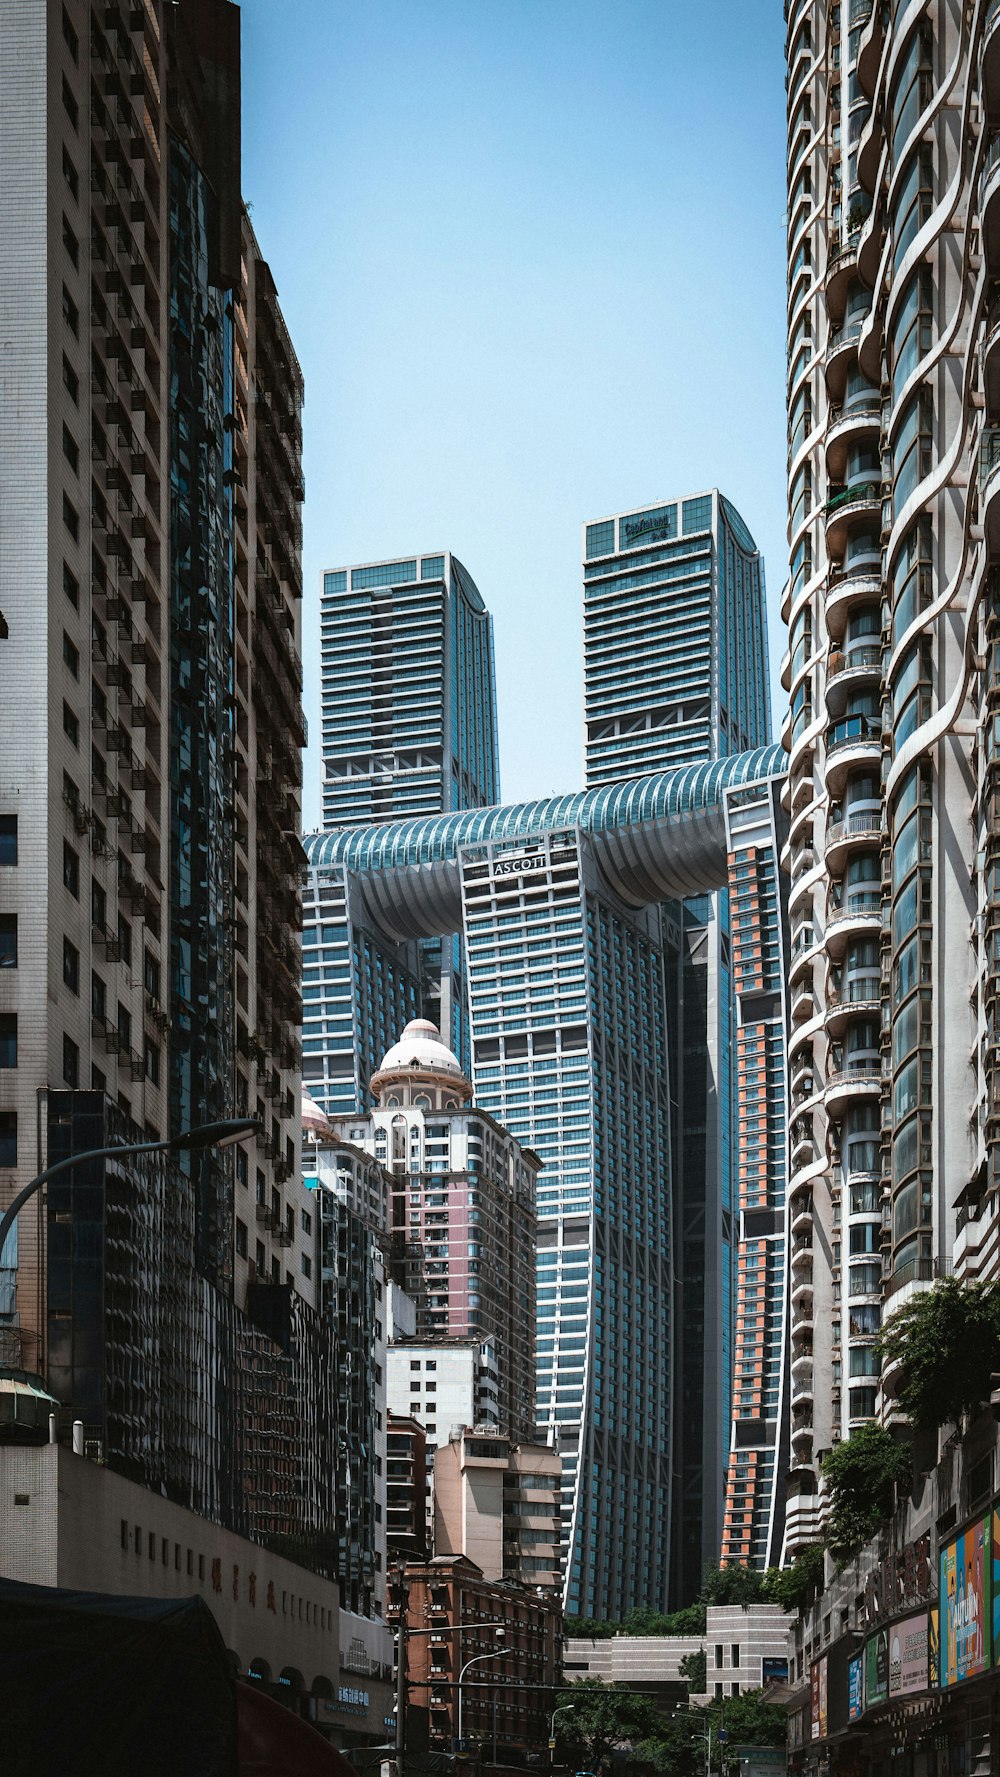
[(531, 255)]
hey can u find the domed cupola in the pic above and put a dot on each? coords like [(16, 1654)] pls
[(420, 1070)]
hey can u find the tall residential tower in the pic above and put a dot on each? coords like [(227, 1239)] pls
[(409, 728), (894, 523), (676, 671)]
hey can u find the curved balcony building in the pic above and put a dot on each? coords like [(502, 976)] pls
[(894, 418)]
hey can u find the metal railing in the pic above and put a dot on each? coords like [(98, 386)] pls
[(860, 493), (854, 730), (854, 826)]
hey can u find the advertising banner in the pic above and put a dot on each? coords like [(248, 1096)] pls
[(995, 1594), (855, 1687), (818, 1699), (876, 1668), (933, 1647), (908, 1644), (965, 1604)]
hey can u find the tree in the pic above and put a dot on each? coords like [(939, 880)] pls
[(793, 1587), (690, 1620), (750, 1721), (732, 1584), (603, 1717), (862, 1475), (694, 1667), (947, 1342)]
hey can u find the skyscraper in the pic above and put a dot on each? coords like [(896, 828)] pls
[(892, 399), (674, 636), (676, 671), (409, 727), (150, 734), (461, 1217), (568, 956), (149, 786)]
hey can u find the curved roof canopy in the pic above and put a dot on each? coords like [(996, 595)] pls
[(656, 838)]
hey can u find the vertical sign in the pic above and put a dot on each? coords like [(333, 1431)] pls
[(965, 1604), (855, 1687)]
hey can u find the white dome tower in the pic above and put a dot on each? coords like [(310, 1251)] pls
[(420, 1070)]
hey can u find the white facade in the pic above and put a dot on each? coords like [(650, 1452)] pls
[(744, 1648)]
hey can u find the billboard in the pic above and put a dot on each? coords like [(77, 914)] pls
[(965, 1565), (876, 1668), (818, 1699), (908, 1655), (995, 1594), (855, 1687)]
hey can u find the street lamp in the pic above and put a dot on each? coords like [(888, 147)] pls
[(209, 1135), (405, 1634), (497, 1653), (562, 1710)]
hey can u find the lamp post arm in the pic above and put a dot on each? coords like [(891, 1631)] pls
[(498, 1653), (24, 1196)]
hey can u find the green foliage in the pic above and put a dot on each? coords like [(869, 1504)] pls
[(947, 1341), (862, 1475), (793, 1587), (589, 1628), (750, 1721), (694, 1667), (603, 1717), (733, 1584)]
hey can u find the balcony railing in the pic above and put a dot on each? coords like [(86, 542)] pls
[(989, 452), (860, 493), (852, 731), (857, 660), (990, 161)]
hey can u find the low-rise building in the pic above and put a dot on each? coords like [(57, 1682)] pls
[(454, 1616), (897, 1659), (745, 1647)]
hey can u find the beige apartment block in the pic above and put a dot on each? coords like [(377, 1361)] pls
[(497, 1502)]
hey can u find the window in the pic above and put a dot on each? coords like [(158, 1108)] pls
[(72, 43), (151, 1060), (306, 1222), (8, 1138), (98, 906), (71, 518), (71, 450), (307, 1265), (125, 940), (8, 1039), (71, 726), (151, 975), (8, 838), (911, 451), (98, 998), (71, 966), (124, 1026), (71, 870), (70, 105), (70, 173), (71, 381), (71, 314), (8, 940), (71, 1063), (71, 586), (913, 204), (71, 655), (241, 1238), (70, 242)]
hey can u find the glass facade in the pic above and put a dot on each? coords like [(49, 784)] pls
[(409, 728), (570, 959)]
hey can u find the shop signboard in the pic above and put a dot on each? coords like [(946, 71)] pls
[(965, 1604), (876, 1668), (855, 1687), (995, 1565), (933, 1647), (818, 1699), (908, 1656)]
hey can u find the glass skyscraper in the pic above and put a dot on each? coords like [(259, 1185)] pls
[(409, 728), (571, 954), (676, 671)]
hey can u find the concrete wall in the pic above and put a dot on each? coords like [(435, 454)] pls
[(70, 1522), (736, 1643)]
